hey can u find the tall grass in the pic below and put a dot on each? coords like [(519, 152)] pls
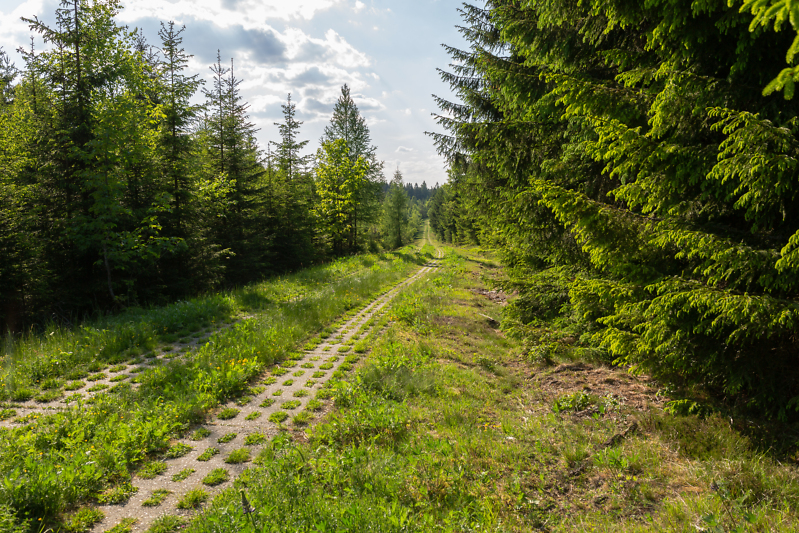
[(59, 460)]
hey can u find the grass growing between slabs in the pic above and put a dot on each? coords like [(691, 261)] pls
[(55, 463), (447, 425)]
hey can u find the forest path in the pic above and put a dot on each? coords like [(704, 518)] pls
[(285, 389)]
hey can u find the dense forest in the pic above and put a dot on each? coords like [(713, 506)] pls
[(636, 162), (117, 190)]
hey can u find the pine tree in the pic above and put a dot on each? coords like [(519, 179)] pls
[(395, 213), (348, 125)]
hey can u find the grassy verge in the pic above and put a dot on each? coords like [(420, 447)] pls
[(448, 425), (55, 462)]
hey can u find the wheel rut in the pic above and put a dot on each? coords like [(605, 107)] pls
[(284, 393)]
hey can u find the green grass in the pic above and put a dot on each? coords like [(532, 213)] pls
[(5, 414), (156, 498), (194, 499), (242, 455), (227, 437), (124, 526), (267, 403), (325, 366), (151, 469), (254, 439), (228, 413), (300, 393), (74, 385), (83, 519), (126, 428), (253, 416), (207, 454), (183, 474), (200, 434), (178, 450), (314, 405), (318, 374), (118, 494), (270, 380), (288, 383), (216, 477), (291, 404), (302, 418), (167, 524), (298, 373), (278, 416), (440, 431)]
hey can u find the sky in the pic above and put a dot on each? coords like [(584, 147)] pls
[(387, 51)]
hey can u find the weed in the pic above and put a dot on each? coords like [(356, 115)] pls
[(156, 498), (96, 377), (298, 373), (207, 454), (200, 434), (291, 404), (351, 359), (119, 494), (253, 439), (344, 349), (97, 388), (124, 526), (310, 383), (325, 366), (278, 417), (288, 383), (302, 418), (324, 394), (5, 414), (82, 520), (267, 403), (242, 455), (74, 385), (117, 368), (307, 365), (216, 477), (224, 439), (278, 392), (119, 378), (253, 416), (183, 474), (314, 405), (300, 393), (152, 469), (193, 499), (228, 413), (318, 374), (270, 380), (167, 524), (178, 450), (22, 394), (256, 390)]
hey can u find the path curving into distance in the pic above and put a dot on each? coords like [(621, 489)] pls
[(284, 391)]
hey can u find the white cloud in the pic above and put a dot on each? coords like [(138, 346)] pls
[(359, 5), (248, 13), (403, 149)]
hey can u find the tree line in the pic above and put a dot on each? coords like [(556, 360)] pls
[(636, 163), (117, 190)]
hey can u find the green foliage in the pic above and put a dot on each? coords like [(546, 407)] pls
[(194, 499), (156, 498), (183, 474), (216, 477), (242, 455), (82, 520), (635, 179)]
